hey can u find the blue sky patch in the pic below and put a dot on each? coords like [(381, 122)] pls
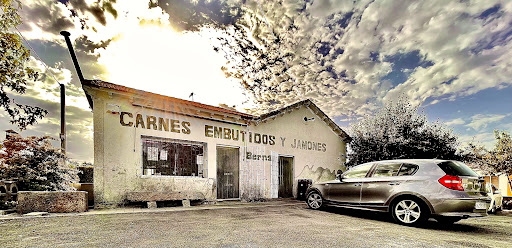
[(490, 11), (488, 101), (403, 65)]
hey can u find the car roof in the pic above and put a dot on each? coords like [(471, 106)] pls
[(420, 161)]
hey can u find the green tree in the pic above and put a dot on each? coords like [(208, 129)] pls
[(494, 161), (501, 155), (398, 131), (36, 164), (14, 74)]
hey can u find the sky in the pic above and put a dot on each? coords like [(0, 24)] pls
[(452, 58)]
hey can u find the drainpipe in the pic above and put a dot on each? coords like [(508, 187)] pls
[(66, 35)]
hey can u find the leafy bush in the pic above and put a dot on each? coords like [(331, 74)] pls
[(36, 164)]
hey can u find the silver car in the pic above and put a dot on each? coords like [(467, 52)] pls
[(411, 190)]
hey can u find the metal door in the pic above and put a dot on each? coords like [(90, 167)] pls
[(227, 172), (285, 177)]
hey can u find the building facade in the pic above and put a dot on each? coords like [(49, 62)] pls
[(145, 142)]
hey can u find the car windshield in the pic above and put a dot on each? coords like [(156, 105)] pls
[(456, 168)]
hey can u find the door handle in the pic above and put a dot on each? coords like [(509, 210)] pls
[(357, 185), (394, 183)]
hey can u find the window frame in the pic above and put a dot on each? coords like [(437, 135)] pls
[(377, 165), (399, 169), (416, 168), (368, 173), (171, 140)]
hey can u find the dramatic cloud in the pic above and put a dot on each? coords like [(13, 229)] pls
[(458, 121), (347, 56), (192, 15), (481, 121), (45, 93)]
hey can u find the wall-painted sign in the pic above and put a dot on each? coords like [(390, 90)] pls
[(232, 134), (127, 119), (252, 156), (151, 122)]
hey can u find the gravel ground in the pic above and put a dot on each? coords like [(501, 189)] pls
[(275, 226)]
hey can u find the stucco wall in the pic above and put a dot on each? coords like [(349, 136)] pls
[(118, 149), (318, 164)]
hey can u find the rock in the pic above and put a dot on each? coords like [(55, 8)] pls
[(143, 196), (52, 201)]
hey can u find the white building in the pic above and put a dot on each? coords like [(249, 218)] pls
[(163, 148)]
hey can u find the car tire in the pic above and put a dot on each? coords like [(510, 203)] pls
[(409, 211), (315, 200), (447, 220)]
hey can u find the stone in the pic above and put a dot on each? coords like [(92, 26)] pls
[(142, 196), (185, 203), (152, 204), (52, 201)]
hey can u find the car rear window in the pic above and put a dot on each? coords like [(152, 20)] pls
[(456, 168)]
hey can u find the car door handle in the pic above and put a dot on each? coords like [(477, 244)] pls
[(358, 184), (394, 183)]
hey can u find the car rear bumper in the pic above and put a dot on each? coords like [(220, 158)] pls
[(462, 207), (464, 215)]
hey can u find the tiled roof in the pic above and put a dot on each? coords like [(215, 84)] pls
[(103, 84), (308, 103)]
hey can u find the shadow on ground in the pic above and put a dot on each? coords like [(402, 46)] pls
[(431, 224)]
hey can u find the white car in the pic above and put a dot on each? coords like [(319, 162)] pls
[(496, 198)]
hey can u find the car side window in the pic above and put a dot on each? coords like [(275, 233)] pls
[(408, 169), (386, 170), (358, 171)]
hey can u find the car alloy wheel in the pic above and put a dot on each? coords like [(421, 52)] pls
[(314, 200), (407, 212)]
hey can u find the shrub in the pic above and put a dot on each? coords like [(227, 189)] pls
[(36, 164)]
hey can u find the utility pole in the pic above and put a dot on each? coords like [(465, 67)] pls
[(63, 119)]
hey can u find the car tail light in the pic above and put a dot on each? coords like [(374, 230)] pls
[(452, 182)]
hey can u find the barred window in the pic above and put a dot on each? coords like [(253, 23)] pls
[(168, 157)]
